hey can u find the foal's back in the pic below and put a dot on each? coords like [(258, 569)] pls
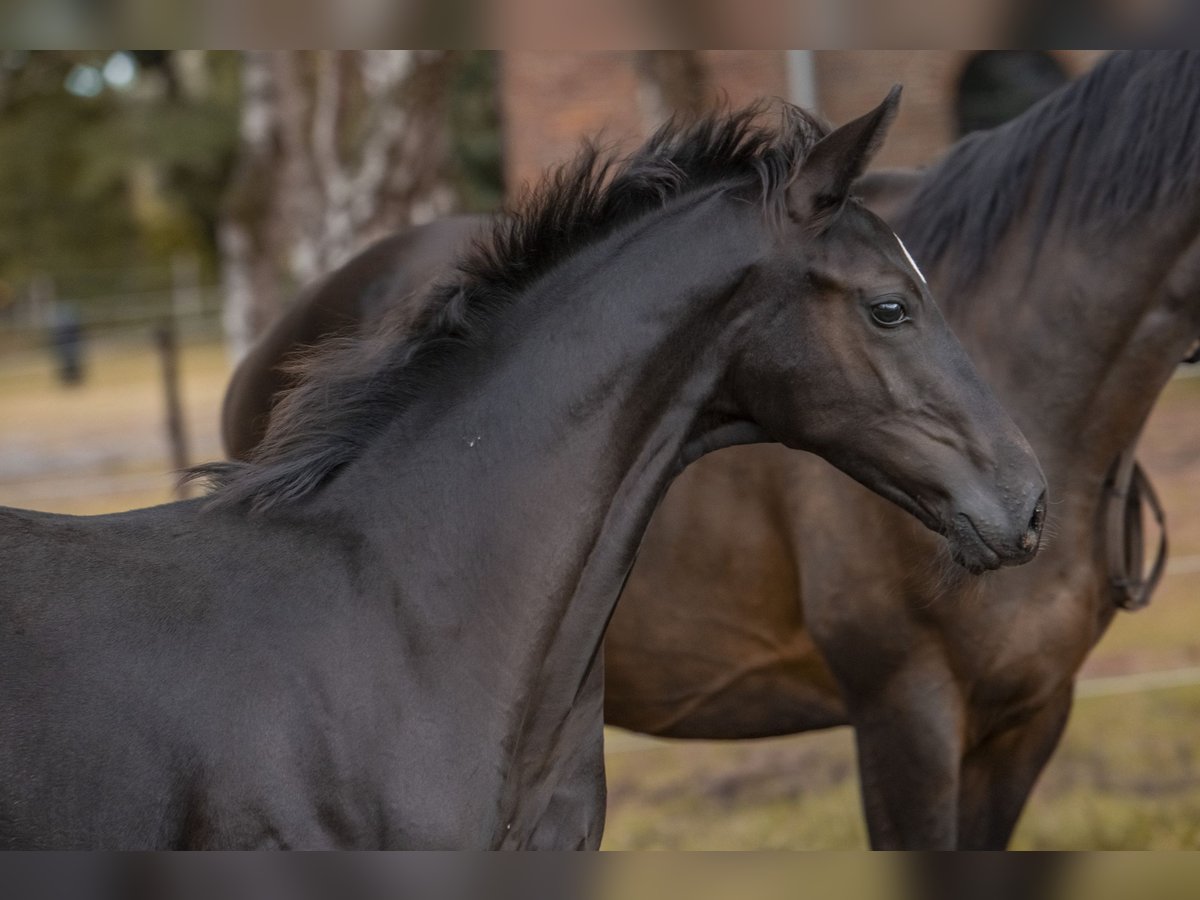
[(185, 668), (172, 563)]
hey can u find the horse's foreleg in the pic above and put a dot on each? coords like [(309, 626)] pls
[(574, 817), (908, 735), (574, 820), (999, 774)]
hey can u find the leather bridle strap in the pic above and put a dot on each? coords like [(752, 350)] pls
[(1126, 489)]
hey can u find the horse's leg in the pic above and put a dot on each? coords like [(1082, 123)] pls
[(999, 774), (909, 756), (574, 818), (983, 876)]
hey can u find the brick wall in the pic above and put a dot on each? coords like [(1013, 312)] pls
[(743, 76), (552, 100), (850, 82)]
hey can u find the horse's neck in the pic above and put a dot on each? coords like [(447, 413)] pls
[(512, 496), (1079, 341)]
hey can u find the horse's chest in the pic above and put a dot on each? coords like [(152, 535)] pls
[(1031, 643)]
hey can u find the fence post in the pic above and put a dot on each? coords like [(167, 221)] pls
[(168, 351), (42, 297), (186, 300)]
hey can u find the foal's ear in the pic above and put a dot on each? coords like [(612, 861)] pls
[(825, 177)]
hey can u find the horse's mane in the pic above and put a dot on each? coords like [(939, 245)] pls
[(353, 388), (1119, 142)]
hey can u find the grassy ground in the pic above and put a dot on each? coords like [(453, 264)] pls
[(1126, 777), (102, 446), (1127, 774)]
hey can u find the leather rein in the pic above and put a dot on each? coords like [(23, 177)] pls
[(1126, 489)]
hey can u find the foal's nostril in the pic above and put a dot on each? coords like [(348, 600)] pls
[(1033, 533), (1039, 514)]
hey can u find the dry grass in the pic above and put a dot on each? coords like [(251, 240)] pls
[(102, 446), (1126, 776)]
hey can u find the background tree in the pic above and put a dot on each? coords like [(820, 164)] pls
[(336, 149), (112, 165)]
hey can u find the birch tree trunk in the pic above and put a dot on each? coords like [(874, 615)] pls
[(338, 147)]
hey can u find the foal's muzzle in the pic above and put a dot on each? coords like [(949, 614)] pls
[(979, 546)]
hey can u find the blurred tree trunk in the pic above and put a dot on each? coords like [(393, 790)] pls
[(338, 147), (671, 83)]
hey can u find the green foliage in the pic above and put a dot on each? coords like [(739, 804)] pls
[(100, 192)]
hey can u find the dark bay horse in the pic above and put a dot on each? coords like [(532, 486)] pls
[(384, 631), (1067, 245), (772, 595)]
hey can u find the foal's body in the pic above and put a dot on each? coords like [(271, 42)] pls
[(385, 632), (315, 681), (205, 700)]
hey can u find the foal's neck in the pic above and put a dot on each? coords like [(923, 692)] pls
[(585, 391), (510, 497)]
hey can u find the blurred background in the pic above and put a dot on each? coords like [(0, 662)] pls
[(158, 209)]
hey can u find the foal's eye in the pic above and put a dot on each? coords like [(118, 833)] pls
[(889, 313)]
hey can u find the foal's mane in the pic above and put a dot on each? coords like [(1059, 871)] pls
[(1119, 142), (352, 388)]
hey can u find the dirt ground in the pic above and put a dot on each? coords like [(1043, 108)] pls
[(1127, 774)]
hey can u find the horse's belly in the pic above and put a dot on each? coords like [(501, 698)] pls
[(709, 639), (734, 689)]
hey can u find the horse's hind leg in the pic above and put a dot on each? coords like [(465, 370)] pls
[(1000, 773), (909, 756)]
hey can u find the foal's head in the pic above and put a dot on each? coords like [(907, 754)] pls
[(860, 367)]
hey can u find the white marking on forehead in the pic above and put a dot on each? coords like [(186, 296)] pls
[(912, 262)]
